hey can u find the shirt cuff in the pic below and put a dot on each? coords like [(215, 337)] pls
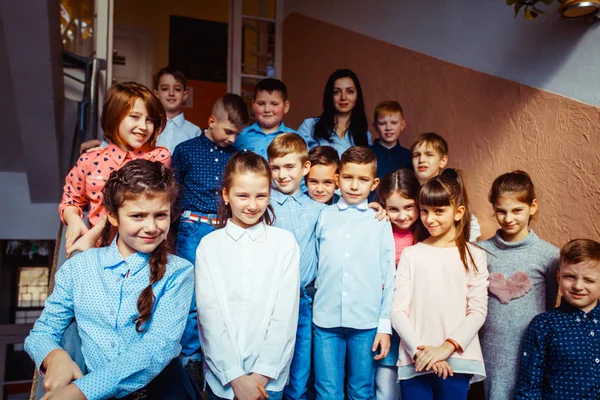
[(41, 352), (229, 375), (266, 370), (384, 326)]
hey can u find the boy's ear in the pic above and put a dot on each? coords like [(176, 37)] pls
[(286, 107), (403, 125), (186, 94), (306, 168), (443, 161), (212, 121), (336, 180), (375, 184), (112, 219)]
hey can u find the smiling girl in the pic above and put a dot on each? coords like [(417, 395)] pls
[(522, 280), (440, 301), (343, 122), (132, 119), (247, 289)]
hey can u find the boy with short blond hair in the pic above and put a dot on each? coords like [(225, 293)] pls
[(560, 358), (355, 284), (389, 123), (320, 180), (296, 212), (199, 164), (170, 88), (429, 158), (269, 106)]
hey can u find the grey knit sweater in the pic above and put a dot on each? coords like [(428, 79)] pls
[(522, 285)]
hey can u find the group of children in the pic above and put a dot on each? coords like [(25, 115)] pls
[(300, 284)]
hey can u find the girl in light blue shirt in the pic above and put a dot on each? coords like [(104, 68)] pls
[(343, 122), (130, 299)]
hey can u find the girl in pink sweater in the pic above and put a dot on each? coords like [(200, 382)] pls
[(440, 302)]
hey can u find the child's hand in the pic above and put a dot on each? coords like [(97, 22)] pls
[(90, 145), (75, 230), (261, 379), (69, 392), (442, 369), (247, 387), (381, 214), (382, 340), (87, 241), (429, 355), (61, 370)]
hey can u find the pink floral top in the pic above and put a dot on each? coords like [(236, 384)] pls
[(402, 239), (85, 181)]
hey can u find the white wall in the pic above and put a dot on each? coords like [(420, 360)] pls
[(19, 219), (550, 53)]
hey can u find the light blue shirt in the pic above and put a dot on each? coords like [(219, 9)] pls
[(340, 144), (100, 290), (178, 130), (253, 138), (355, 278), (299, 214)]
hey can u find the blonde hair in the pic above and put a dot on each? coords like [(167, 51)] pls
[(288, 143)]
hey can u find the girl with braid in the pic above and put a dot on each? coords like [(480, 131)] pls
[(130, 299)]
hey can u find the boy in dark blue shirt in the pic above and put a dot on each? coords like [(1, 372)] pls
[(389, 123), (561, 353), (199, 164)]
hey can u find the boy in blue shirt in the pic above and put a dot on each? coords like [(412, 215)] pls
[(199, 164), (560, 358), (296, 212), (355, 284), (389, 123), (269, 106)]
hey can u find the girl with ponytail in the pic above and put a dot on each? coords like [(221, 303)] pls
[(130, 299), (440, 302)]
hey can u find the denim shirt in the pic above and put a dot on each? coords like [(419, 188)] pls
[(306, 130)]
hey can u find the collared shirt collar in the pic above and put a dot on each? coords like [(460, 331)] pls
[(236, 232), (119, 155), (377, 143), (178, 120), (257, 128), (568, 307), (343, 205), (281, 198), (112, 258)]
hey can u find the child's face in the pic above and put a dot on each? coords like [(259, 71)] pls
[(221, 132), (580, 284), (269, 109), (248, 197), (137, 127), (402, 212), (389, 126), (427, 162), (513, 216), (171, 93), (143, 223), (440, 221), (344, 95), (356, 182), (287, 172), (320, 182)]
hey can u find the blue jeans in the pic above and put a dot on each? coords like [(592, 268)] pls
[(332, 347), (300, 368), (432, 387), (188, 238), (272, 395)]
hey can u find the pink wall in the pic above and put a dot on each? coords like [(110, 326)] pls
[(492, 125)]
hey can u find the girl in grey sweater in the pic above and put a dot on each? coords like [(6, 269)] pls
[(522, 281)]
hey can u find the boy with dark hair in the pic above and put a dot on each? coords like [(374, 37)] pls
[(270, 105), (355, 284), (560, 358), (389, 123), (199, 164), (170, 88), (320, 180), (296, 212)]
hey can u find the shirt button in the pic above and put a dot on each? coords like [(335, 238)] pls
[(585, 316), (344, 293), (348, 236), (347, 255), (592, 333), (211, 150), (597, 360), (216, 177), (216, 160), (118, 280), (595, 321), (345, 274), (112, 313), (113, 345), (577, 319), (524, 354)]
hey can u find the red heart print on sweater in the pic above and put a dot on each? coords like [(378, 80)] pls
[(508, 289)]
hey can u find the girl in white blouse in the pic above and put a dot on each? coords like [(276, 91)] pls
[(247, 280)]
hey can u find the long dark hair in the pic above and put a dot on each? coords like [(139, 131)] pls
[(134, 179), (448, 189), (404, 182), (244, 162), (358, 119)]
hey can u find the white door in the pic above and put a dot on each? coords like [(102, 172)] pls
[(133, 55)]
